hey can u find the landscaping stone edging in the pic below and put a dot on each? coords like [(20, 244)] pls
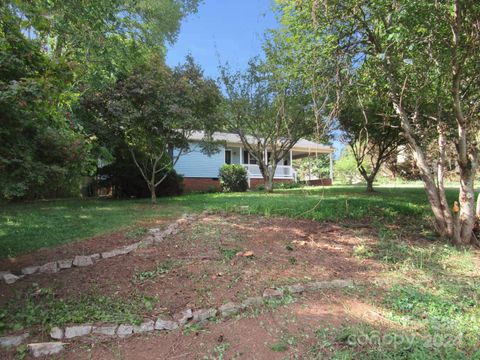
[(155, 236), (200, 315), (180, 319)]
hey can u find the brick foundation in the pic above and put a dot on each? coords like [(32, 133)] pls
[(200, 184), (255, 182), (319, 182), (204, 184)]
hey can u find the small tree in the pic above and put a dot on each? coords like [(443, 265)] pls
[(345, 167), (268, 112), (370, 128), (155, 110)]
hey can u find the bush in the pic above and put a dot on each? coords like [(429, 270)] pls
[(233, 178)]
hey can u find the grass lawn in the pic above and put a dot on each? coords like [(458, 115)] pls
[(418, 297), (32, 225)]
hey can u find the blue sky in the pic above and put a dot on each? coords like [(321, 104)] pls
[(227, 31), (232, 30)]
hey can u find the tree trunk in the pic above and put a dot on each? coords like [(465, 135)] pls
[(269, 185), (466, 199), (267, 175), (369, 179), (153, 195), (370, 186), (478, 207), (442, 215), (465, 222)]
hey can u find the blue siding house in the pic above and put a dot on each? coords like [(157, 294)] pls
[(200, 171)]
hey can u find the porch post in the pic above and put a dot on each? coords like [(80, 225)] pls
[(291, 165), (331, 167), (241, 155)]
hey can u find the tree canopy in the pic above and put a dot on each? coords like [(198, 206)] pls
[(268, 110), (426, 58), (52, 52), (154, 110), (40, 150)]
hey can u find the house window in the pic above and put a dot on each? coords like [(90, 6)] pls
[(248, 159), (228, 156)]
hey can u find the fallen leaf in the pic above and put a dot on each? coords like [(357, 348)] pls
[(248, 254)]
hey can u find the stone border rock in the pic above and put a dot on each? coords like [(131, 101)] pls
[(156, 235), (179, 319)]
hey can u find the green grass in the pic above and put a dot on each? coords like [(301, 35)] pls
[(434, 296), (229, 254), (41, 307), (279, 346), (433, 300), (32, 225), (364, 342)]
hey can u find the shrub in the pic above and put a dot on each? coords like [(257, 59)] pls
[(233, 178), (211, 189)]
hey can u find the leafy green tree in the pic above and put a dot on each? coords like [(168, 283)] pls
[(41, 151), (317, 65), (52, 51), (101, 38), (345, 168), (369, 126), (155, 110), (426, 55), (268, 111), (318, 166)]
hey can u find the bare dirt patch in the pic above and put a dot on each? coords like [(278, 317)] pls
[(201, 267), (251, 336)]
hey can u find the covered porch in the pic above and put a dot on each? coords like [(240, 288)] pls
[(285, 170)]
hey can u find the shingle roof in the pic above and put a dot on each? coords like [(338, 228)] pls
[(302, 144)]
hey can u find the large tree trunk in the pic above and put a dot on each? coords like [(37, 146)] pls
[(466, 157), (457, 227)]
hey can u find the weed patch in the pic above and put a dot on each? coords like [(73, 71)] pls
[(160, 269), (229, 254), (41, 307)]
